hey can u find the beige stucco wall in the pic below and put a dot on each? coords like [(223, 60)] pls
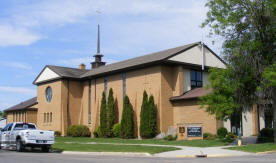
[(31, 117), (9, 117), (189, 113), (137, 81), (53, 107)]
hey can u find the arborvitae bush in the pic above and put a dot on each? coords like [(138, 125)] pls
[(144, 116), (110, 113), (103, 109), (152, 117), (127, 123), (148, 117)]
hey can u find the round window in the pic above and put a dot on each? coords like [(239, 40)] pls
[(49, 94)]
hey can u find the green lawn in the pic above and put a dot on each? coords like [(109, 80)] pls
[(193, 143), (255, 148), (110, 148)]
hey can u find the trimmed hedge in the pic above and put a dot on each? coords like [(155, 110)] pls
[(266, 135), (209, 136), (78, 131), (116, 130), (222, 132), (57, 133)]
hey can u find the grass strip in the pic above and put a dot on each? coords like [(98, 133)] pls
[(255, 148), (60, 146), (191, 143)]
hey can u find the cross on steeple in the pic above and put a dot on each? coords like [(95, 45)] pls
[(98, 56)]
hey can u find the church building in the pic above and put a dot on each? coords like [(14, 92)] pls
[(175, 77)]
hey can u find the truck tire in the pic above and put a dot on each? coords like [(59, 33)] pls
[(45, 148), (19, 145)]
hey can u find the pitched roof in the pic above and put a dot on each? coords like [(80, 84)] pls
[(23, 105), (67, 72), (192, 94), (139, 61)]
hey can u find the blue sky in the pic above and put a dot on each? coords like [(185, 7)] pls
[(63, 32)]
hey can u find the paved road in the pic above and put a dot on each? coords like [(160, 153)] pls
[(37, 157)]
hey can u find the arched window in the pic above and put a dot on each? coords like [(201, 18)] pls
[(48, 94)]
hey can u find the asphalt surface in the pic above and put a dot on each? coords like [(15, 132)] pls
[(39, 157)]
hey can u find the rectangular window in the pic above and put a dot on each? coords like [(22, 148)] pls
[(44, 117), (196, 79), (51, 117), (47, 117), (105, 86), (124, 84)]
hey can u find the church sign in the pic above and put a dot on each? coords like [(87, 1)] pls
[(194, 131)]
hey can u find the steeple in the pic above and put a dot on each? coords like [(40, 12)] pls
[(98, 56)]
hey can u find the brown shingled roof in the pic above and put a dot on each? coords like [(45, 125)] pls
[(23, 105), (139, 61), (192, 94)]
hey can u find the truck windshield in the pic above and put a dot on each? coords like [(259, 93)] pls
[(24, 126)]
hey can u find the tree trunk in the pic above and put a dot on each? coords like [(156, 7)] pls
[(274, 113)]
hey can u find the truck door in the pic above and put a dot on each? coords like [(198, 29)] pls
[(8, 134), (4, 140)]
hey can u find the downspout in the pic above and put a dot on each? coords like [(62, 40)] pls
[(202, 51)]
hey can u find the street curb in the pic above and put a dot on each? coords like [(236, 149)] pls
[(267, 152), (107, 153), (208, 156)]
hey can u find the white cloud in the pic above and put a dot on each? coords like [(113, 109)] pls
[(19, 90), (19, 65), (16, 36)]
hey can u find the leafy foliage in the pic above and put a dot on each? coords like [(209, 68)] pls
[(221, 101), (249, 33), (143, 116), (148, 117), (222, 132), (3, 114), (127, 123), (152, 117), (270, 76), (103, 110), (116, 130), (110, 113), (57, 133), (78, 131), (266, 135)]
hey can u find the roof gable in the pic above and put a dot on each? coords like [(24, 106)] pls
[(194, 56), (46, 75), (24, 105)]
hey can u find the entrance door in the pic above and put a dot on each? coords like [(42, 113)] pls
[(236, 123)]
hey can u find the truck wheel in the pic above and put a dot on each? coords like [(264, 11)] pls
[(19, 145), (45, 148)]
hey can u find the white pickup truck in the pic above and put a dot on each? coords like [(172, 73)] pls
[(23, 135)]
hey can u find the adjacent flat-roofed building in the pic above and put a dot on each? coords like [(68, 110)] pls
[(24, 112)]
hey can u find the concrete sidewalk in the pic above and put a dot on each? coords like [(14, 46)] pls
[(209, 152)]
